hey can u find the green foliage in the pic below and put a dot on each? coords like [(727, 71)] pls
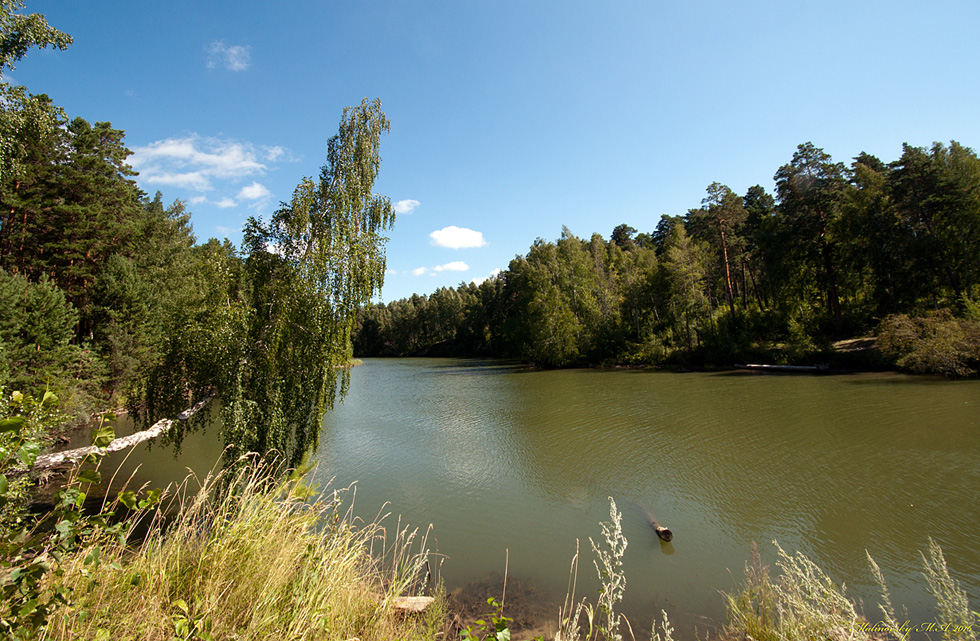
[(19, 33), (496, 628), (935, 344), (35, 329), (33, 549), (23, 427)]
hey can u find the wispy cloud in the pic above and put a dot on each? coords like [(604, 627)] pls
[(455, 237), (419, 271), (194, 162), (225, 203), (406, 206), (455, 266), (232, 58)]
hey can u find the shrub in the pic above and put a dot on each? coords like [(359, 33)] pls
[(935, 344)]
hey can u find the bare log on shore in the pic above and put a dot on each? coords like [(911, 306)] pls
[(160, 427), (662, 532)]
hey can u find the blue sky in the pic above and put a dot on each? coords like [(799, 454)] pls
[(508, 119)]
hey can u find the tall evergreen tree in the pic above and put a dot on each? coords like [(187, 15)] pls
[(811, 192)]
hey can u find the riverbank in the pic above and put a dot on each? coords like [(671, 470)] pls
[(258, 562)]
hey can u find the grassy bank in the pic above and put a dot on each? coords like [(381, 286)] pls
[(246, 558)]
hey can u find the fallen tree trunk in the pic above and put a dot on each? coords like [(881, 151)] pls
[(163, 425), (662, 532)]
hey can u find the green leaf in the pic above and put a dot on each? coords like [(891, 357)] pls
[(49, 400), (17, 397), (3, 484), (28, 453), (152, 498), (93, 556), (503, 635), (90, 476), (128, 499), (12, 424), (103, 435), (28, 607)]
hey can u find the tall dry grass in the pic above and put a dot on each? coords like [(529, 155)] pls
[(246, 557), (804, 603)]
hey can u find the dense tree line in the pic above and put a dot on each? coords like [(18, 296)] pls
[(831, 254)]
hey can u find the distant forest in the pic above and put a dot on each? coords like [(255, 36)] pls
[(891, 249)]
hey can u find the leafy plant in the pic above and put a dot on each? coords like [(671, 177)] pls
[(32, 550), (496, 628)]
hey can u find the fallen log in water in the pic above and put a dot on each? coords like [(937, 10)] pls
[(662, 532), (792, 369), (50, 460)]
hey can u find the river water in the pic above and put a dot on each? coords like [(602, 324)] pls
[(514, 466)]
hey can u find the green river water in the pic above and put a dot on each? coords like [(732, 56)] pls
[(506, 462)]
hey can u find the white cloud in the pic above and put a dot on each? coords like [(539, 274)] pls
[(233, 58), (225, 203), (194, 162), (273, 153), (193, 180), (455, 237), (255, 191), (455, 266), (418, 271), (391, 272), (482, 279), (197, 200), (406, 206)]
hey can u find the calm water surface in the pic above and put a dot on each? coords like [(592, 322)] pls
[(498, 459)]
